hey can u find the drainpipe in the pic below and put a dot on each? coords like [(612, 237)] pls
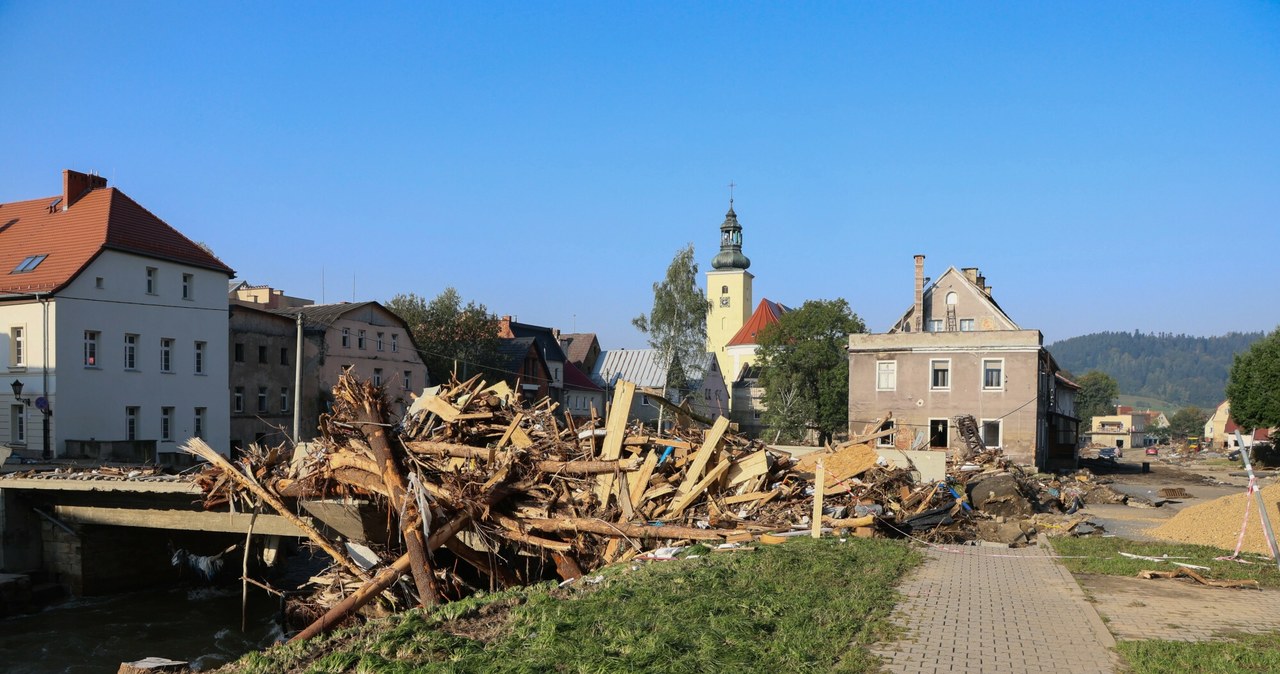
[(297, 383), (46, 451)]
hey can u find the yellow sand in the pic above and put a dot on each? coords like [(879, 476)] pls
[(1217, 522)]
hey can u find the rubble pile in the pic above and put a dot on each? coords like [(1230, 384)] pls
[(482, 490)]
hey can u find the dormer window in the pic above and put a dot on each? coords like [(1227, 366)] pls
[(28, 264)]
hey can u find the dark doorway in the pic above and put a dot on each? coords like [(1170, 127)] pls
[(938, 435)]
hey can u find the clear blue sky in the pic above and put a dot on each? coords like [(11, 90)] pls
[(1108, 166)]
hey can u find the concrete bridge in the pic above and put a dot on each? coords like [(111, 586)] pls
[(99, 533)]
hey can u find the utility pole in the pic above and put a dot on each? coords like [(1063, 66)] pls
[(297, 383)]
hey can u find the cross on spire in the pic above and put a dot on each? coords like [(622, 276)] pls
[(731, 186)]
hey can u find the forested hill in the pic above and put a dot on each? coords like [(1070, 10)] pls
[(1180, 369)]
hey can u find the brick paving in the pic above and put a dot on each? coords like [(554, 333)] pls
[(986, 609), (1177, 610)]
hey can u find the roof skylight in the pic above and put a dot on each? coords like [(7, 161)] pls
[(28, 264)]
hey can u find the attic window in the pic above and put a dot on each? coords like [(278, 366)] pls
[(28, 264)]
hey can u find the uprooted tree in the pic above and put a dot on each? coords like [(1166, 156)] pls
[(450, 336), (804, 369)]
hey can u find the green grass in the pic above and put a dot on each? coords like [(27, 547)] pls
[(805, 606), (1248, 653), (1102, 557)]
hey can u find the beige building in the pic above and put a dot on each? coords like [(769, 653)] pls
[(729, 292), (1122, 431), (955, 352)]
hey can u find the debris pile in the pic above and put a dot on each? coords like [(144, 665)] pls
[(479, 489)]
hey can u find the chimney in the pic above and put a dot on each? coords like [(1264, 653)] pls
[(76, 184), (919, 306), (971, 273), (504, 328)]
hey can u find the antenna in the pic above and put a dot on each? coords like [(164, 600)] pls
[(322, 284)]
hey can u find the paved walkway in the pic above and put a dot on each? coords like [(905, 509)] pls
[(1178, 610), (987, 609)]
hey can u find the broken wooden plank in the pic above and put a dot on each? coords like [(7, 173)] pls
[(511, 429), (819, 484), (641, 479), (842, 464), (748, 467), (710, 442), (615, 434), (747, 498), (681, 502)]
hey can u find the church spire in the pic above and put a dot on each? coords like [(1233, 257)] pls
[(730, 255)]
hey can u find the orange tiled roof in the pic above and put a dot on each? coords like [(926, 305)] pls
[(104, 219), (766, 313)]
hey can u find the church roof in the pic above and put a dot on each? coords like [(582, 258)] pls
[(766, 313)]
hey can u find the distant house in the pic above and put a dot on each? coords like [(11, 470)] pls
[(113, 321), (581, 348), (262, 346), (748, 402), (524, 368), (582, 397), (548, 347), (1122, 431), (364, 338), (1220, 431), (707, 394), (954, 353)]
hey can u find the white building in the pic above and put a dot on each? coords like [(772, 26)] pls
[(114, 322)]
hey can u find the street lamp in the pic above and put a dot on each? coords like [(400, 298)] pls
[(17, 392)]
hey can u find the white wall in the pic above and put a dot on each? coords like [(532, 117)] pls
[(90, 402)]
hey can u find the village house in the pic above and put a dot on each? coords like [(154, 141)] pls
[(114, 329), (581, 348), (1122, 431), (706, 394), (524, 368), (548, 345), (955, 353)]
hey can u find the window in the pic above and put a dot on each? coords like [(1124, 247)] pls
[(707, 393), (644, 400), (151, 280), (17, 346), (377, 376), (130, 423), (130, 352), (238, 353), (886, 441), (166, 355), (992, 374), (200, 358), (939, 435), (237, 400), (991, 432), (198, 425), (395, 342), (940, 374), (379, 344), (284, 355), (18, 424), (408, 380), (262, 355), (951, 298), (360, 340), (346, 338), (91, 348), (284, 398), (935, 325), (187, 282), (886, 375), (98, 283), (262, 399), (28, 264), (966, 325), (166, 424)]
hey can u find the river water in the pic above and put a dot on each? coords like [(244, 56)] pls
[(197, 624)]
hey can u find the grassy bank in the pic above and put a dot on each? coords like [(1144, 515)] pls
[(803, 606), (1248, 653), (1102, 556)]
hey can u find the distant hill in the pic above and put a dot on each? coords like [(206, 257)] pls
[(1179, 369)]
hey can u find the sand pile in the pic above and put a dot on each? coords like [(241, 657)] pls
[(1217, 522)]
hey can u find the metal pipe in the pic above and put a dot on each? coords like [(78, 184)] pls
[(297, 383), (1257, 494)]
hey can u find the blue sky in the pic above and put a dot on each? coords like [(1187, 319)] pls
[(1108, 166)]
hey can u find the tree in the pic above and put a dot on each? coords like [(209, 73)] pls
[(677, 324), (804, 369), (450, 337), (1097, 396), (1186, 423), (1254, 384)]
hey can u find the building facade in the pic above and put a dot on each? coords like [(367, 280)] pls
[(116, 326)]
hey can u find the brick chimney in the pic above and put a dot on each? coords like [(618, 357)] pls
[(504, 328), (76, 184), (919, 306)]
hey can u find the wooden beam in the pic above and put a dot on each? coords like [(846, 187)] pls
[(615, 435), (709, 444), (179, 520)]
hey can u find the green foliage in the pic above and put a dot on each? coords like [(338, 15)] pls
[(782, 608), (1254, 386), (677, 324), (1187, 422), (1181, 369), (450, 335), (804, 369), (1247, 653), (1097, 396)]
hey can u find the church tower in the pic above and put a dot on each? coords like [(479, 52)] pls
[(728, 290)]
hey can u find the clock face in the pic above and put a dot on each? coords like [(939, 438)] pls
[(724, 300)]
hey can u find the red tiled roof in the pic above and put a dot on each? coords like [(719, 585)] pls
[(766, 313), (103, 219), (575, 379)]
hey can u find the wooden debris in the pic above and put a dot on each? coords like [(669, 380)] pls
[(1188, 573)]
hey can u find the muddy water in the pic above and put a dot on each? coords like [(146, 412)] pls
[(200, 625)]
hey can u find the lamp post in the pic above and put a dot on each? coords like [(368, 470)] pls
[(42, 404)]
